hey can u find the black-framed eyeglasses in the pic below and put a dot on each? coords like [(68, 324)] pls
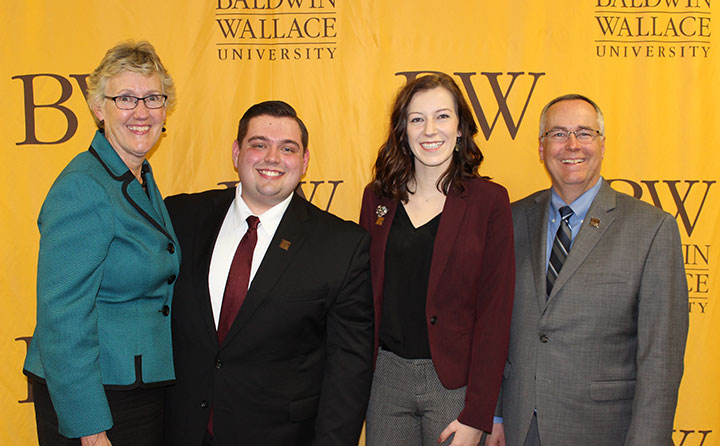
[(127, 102), (582, 135)]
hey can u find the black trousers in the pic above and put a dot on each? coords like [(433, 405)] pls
[(137, 417)]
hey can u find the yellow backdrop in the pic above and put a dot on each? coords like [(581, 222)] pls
[(650, 64)]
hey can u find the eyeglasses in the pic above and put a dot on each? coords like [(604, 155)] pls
[(127, 102), (582, 135)]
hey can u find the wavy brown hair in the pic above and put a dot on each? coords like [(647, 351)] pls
[(395, 168)]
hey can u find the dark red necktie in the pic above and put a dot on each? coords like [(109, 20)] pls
[(236, 287), (238, 279)]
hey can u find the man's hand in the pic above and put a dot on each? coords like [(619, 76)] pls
[(497, 437)]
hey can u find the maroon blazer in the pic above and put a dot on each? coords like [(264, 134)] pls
[(470, 289)]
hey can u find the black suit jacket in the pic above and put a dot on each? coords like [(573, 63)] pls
[(296, 366)]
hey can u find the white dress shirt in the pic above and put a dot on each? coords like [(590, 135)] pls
[(231, 232)]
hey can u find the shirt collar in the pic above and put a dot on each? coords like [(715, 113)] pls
[(269, 220), (580, 206)]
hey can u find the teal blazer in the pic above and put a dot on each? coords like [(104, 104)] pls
[(107, 265)]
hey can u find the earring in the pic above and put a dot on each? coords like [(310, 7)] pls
[(457, 144), (163, 128)]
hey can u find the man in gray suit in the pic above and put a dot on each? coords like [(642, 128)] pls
[(600, 317)]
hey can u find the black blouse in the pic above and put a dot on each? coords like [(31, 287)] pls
[(408, 256)]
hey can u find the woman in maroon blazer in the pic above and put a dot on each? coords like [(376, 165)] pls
[(442, 271)]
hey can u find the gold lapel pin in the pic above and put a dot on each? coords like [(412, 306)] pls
[(380, 211), (595, 222), (284, 244)]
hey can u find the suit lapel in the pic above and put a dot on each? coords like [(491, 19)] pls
[(452, 216), (155, 201), (380, 232), (536, 224), (203, 245), (131, 189), (286, 243), (148, 202), (589, 235), (140, 200)]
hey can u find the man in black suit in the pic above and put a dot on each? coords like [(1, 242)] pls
[(292, 365)]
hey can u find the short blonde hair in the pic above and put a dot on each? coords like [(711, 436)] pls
[(137, 57)]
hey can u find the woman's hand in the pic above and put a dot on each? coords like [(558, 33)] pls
[(99, 439), (464, 435)]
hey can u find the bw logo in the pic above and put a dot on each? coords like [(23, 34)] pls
[(694, 188), (526, 86), (66, 90)]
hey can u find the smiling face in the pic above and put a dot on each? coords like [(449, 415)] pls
[(574, 166), (132, 133), (432, 128), (270, 161)]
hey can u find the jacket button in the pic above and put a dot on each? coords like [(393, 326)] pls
[(543, 338), (203, 404), (171, 279), (433, 320), (171, 248), (165, 310), (218, 364)]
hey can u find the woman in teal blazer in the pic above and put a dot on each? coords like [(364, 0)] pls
[(101, 352)]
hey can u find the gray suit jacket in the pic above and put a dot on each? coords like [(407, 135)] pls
[(601, 359)]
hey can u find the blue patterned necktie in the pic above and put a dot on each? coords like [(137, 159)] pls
[(560, 247)]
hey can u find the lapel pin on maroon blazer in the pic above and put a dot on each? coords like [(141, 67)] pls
[(380, 211)]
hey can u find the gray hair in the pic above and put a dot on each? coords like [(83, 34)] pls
[(572, 97), (137, 57)]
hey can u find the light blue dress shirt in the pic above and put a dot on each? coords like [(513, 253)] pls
[(580, 208)]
